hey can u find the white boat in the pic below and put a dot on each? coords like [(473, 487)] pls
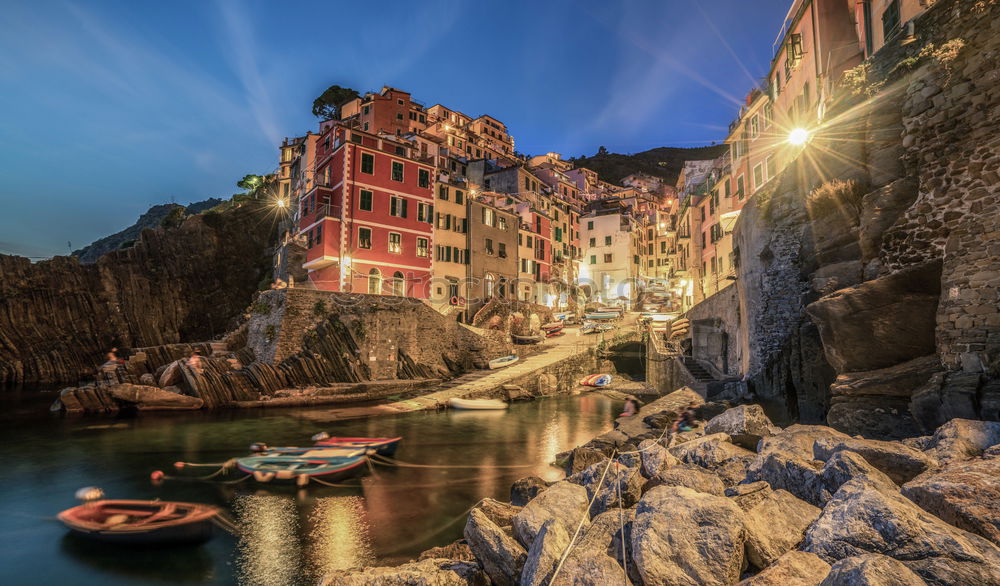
[(476, 404), (503, 361)]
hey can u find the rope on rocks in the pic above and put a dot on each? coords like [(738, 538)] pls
[(583, 519)]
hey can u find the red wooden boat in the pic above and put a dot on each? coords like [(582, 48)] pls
[(141, 522), (384, 446)]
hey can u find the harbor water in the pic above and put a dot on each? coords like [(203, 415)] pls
[(286, 535)]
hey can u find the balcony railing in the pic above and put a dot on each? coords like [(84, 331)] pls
[(325, 210)]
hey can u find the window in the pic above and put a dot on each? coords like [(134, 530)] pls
[(890, 21), (459, 196), (501, 250), (593, 259), (590, 225), (527, 184), (401, 151), (725, 189), (607, 241), (758, 176), (739, 187), (395, 243), (443, 192), (397, 171), (397, 207), (423, 248), (374, 282), (768, 114), (423, 178), (365, 200), (769, 165), (593, 241), (318, 238), (356, 138), (489, 246), (490, 284), (486, 183), (607, 258), (663, 247), (365, 127), (502, 222), (366, 109), (489, 217), (794, 49), (326, 176), (754, 126), (368, 163), (365, 238), (398, 284), (399, 116), (425, 213)]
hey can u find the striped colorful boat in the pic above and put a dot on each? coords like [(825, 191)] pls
[(602, 315), (596, 380), (384, 446)]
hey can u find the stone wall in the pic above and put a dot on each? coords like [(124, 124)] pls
[(715, 331), (388, 332), (58, 317)]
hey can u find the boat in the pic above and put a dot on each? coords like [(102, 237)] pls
[(136, 522), (327, 465), (527, 339), (593, 328), (477, 404), (601, 315), (596, 380), (611, 309), (503, 361), (555, 333), (555, 325), (383, 446)]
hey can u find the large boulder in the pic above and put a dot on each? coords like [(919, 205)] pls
[(580, 458), (797, 440), (863, 519), (146, 398), (899, 462), (844, 466), (171, 374), (716, 453), (545, 553), (525, 489), (881, 322), (775, 526), (963, 493), (609, 484), (681, 536), (593, 559), (456, 550), (564, 501), (871, 569), (427, 572), (499, 512), (795, 568), (785, 471), (876, 403), (745, 425), (961, 439), (501, 557), (879, 211), (655, 458), (689, 476)]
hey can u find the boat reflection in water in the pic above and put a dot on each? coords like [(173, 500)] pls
[(338, 537)]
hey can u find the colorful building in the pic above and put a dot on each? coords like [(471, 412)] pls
[(368, 219)]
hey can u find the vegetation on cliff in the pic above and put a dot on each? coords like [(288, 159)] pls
[(663, 162)]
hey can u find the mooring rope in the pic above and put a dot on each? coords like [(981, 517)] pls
[(392, 462)]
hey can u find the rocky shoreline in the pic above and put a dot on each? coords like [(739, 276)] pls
[(735, 501)]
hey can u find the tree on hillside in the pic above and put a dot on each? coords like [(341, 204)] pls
[(602, 151), (257, 185), (327, 106)]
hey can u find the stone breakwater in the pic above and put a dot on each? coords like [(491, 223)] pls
[(735, 501)]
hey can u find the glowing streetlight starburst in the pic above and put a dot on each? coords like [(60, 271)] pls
[(798, 136)]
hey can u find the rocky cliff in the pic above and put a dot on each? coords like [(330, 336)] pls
[(58, 317), (875, 258)]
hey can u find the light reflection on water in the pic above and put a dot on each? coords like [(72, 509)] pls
[(288, 536)]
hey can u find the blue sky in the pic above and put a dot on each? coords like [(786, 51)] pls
[(109, 107)]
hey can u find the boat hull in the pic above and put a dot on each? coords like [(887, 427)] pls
[(477, 404), (383, 446), (503, 361), (193, 523), (291, 470)]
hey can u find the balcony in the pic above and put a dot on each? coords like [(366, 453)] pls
[(322, 211)]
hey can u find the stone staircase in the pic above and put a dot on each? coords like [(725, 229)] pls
[(699, 372)]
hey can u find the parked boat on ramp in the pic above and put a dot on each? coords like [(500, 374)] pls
[(477, 404), (138, 522), (596, 380), (503, 361)]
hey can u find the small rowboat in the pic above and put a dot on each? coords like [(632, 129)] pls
[(503, 361), (555, 333), (596, 380), (555, 325), (384, 446), (527, 339), (476, 404), (592, 328), (141, 522), (602, 315), (301, 469)]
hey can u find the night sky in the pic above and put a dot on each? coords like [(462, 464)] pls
[(110, 107)]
